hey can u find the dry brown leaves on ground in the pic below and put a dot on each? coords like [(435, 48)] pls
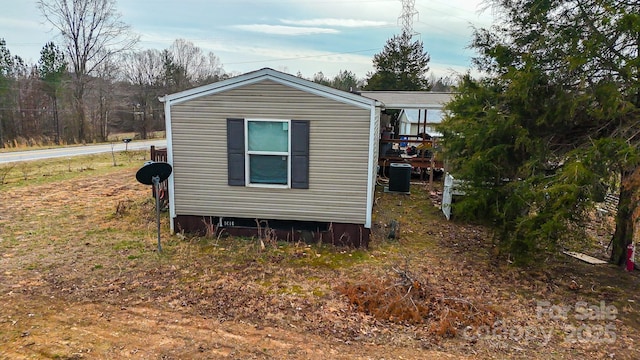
[(408, 298), (81, 278)]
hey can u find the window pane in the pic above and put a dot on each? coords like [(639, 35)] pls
[(434, 116), (268, 169), (268, 136)]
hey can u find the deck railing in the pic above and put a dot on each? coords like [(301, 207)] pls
[(160, 155), (422, 157)]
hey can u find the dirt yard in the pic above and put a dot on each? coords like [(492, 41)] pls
[(80, 277)]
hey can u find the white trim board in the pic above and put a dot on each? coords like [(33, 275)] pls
[(586, 258)]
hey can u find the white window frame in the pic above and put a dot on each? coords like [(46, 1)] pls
[(247, 153)]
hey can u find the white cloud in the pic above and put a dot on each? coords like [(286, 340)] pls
[(237, 31), (442, 70), (285, 30), (350, 23), (267, 53), (375, 10), (243, 58)]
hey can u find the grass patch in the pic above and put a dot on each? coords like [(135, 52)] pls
[(129, 245), (23, 144), (432, 281), (292, 290), (38, 172), (102, 231)]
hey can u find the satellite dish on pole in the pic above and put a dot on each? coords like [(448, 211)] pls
[(153, 173)]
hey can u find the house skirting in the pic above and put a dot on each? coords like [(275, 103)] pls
[(339, 234)]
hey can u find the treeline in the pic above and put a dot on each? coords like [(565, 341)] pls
[(38, 102), (95, 84)]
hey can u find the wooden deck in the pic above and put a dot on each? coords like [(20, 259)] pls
[(160, 155), (423, 159)]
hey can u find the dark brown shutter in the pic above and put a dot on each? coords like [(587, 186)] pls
[(299, 154), (235, 152)]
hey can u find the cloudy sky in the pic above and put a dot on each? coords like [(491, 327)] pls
[(304, 36)]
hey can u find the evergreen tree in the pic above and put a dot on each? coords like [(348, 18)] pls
[(554, 126), (346, 80), (7, 78), (402, 65), (320, 78), (52, 68)]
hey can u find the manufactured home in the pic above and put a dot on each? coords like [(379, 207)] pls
[(270, 150)]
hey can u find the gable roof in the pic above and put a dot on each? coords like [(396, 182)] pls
[(276, 76), (410, 99)]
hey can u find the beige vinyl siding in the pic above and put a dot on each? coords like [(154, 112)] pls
[(338, 152)]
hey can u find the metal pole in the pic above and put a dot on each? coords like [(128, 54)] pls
[(156, 184)]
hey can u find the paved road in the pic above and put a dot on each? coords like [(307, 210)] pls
[(7, 157)]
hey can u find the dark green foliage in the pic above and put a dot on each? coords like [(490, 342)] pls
[(10, 68), (554, 125), (52, 68), (6, 61), (52, 65), (5, 57), (320, 78), (402, 65), (345, 80)]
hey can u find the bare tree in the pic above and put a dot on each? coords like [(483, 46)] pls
[(144, 70), (443, 84), (191, 66), (91, 32), (103, 95), (30, 116), (214, 70)]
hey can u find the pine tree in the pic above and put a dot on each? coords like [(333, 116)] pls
[(346, 80), (52, 68), (7, 67), (402, 65), (555, 124)]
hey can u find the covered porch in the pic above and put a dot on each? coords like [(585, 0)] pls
[(407, 126)]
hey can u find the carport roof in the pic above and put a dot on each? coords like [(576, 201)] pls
[(409, 99)]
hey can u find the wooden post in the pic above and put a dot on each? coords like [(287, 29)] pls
[(431, 172), (153, 158)]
